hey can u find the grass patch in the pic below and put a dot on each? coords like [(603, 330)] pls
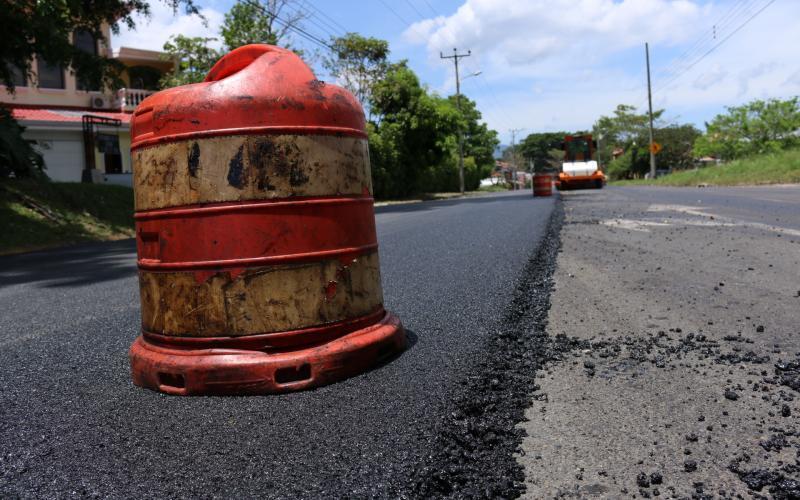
[(36, 215), (494, 188), (778, 168)]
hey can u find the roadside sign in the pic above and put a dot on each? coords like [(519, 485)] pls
[(655, 148)]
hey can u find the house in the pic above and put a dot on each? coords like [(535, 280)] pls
[(84, 134)]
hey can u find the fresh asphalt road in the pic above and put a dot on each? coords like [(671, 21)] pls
[(72, 424)]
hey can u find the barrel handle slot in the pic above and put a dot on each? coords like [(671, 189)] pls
[(293, 374), (151, 245), (172, 383), (238, 59)]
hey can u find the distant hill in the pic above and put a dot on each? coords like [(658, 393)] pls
[(498, 151)]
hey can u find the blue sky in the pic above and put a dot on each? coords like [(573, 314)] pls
[(560, 64)]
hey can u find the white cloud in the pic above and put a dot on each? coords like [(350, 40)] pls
[(714, 75), (793, 80), (510, 32), (584, 57), (163, 23)]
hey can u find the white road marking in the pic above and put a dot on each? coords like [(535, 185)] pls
[(709, 220)]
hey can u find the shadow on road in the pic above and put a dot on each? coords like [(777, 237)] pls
[(71, 266)]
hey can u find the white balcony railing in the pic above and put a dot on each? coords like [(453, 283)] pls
[(128, 99)]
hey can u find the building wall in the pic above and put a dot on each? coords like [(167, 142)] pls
[(64, 156), (68, 96), (62, 151), (125, 149)]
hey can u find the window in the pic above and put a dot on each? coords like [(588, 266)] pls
[(85, 42), (19, 77), (51, 76), (143, 77)]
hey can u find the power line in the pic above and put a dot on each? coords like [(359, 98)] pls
[(325, 18), (712, 49), (431, 7), (300, 31), (677, 74), (315, 20), (479, 80), (697, 47), (398, 16), (414, 8), (739, 9)]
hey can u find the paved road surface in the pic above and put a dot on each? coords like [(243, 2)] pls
[(71, 423), (679, 305)]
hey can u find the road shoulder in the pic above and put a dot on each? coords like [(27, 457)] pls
[(675, 386)]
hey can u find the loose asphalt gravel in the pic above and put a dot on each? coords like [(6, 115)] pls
[(463, 276), (680, 313)]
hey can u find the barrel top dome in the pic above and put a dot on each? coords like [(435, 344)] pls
[(255, 89)]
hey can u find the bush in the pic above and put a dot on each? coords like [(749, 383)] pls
[(620, 167), (17, 156)]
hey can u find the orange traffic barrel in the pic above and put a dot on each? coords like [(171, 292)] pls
[(542, 184), (257, 251)]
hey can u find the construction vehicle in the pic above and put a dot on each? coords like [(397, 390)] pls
[(579, 171)]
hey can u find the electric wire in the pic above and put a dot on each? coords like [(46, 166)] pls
[(478, 81), (299, 31), (705, 50), (715, 46)]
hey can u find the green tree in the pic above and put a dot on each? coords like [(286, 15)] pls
[(193, 59), (479, 141), (757, 127), (544, 149), (359, 63), (627, 130), (413, 138), (17, 156), (266, 21), (44, 28), (677, 143)]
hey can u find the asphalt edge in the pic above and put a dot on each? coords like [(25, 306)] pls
[(479, 439)]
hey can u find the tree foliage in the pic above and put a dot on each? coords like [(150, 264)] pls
[(44, 28), (268, 21), (414, 138), (265, 21), (479, 141), (17, 156), (629, 131), (758, 127), (677, 142), (358, 63), (193, 59), (543, 149), (411, 133)]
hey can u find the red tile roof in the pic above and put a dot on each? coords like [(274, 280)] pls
[(64, 115)]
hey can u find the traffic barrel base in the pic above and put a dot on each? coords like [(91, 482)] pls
[(195, 366)]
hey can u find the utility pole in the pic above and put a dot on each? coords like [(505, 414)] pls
[(599, 148), (455, 57), (650, 104), (514, 154)]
